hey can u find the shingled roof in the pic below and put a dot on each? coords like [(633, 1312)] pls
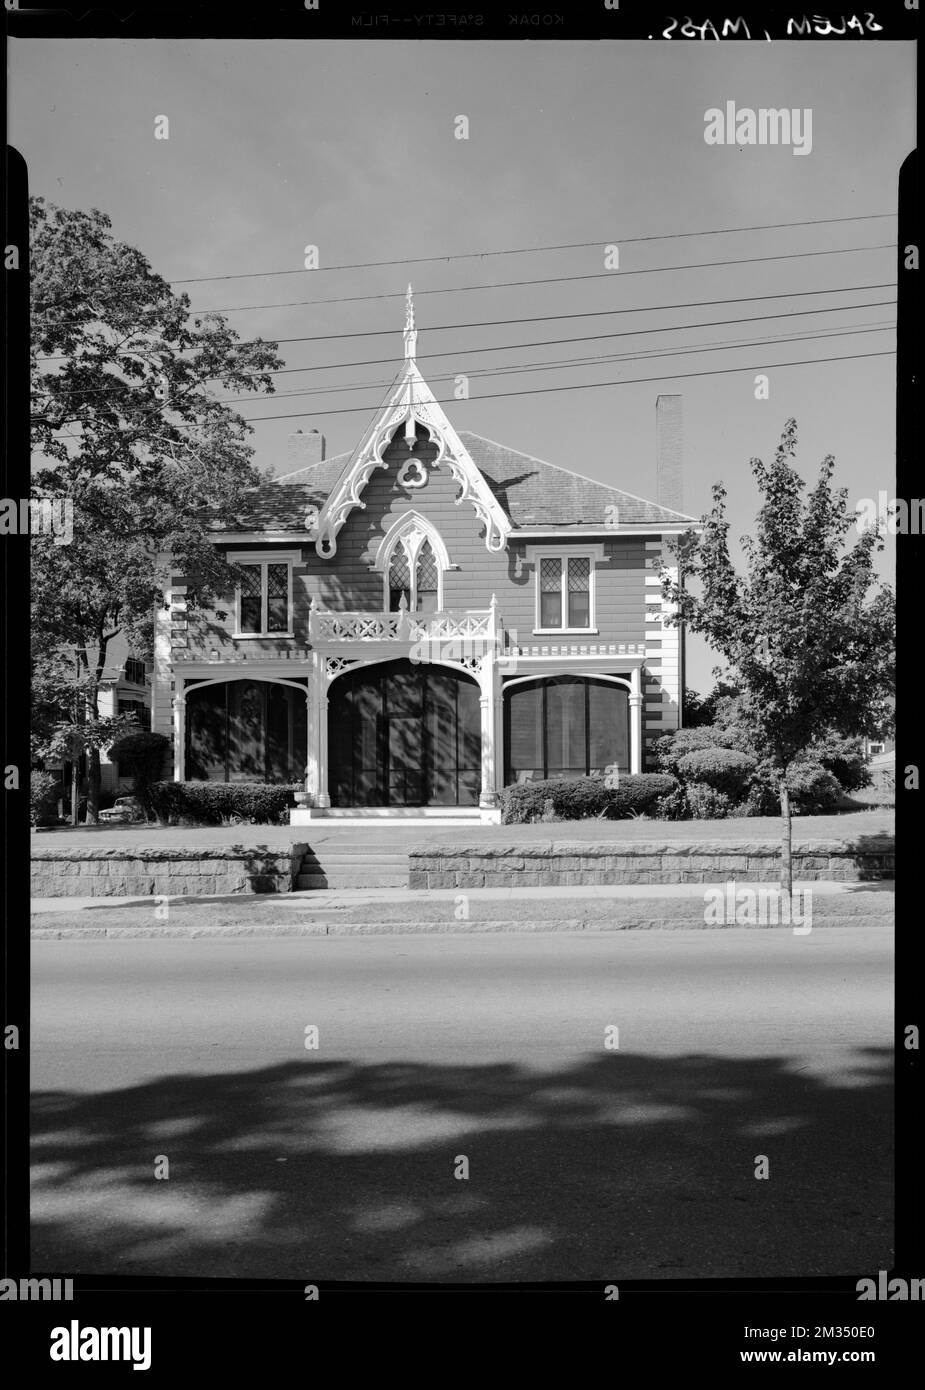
[(532, 492)]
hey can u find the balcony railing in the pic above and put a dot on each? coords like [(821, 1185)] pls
[(480, 623)]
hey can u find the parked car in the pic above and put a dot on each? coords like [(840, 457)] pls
[(127, 809)]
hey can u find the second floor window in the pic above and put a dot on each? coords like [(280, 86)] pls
[(134, 670), (419, 584), (565, 592), (264, 598)]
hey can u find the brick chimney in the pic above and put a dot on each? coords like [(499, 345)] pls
[(669, 433), (304, 448)]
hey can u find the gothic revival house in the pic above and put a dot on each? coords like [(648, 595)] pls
[(426, 620)]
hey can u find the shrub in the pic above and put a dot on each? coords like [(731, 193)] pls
[(44, 791), (670, 748), (579, 798), (706, 803), (718, 757), (844, 758), (813, 790), (141, 756), (217, 803), (673, 806), (723, 769)]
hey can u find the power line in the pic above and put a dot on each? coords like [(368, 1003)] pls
[(587, 314), (527, 250), (571, 363), (552, 318), (631, 332), (582, 338), (513, 284), (548, 280), (592, 386)]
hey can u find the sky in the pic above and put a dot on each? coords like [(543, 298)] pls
[(351, 147)]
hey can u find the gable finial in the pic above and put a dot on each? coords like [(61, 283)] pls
[(411, 336)]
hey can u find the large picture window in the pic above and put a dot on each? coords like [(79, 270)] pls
[(565, 726)]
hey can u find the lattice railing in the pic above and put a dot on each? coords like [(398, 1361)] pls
[(579, 649), (403, 626), (354, 627)]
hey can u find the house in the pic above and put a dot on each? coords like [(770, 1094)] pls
[(125, 688), (425, 620)]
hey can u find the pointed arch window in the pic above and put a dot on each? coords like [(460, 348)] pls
[(413, 559)]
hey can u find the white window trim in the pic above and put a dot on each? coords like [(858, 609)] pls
[(290, 558), (594, 554)]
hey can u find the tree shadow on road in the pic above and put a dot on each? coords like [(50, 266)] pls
[(621, 1166)]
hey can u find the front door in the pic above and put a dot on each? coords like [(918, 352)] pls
[(404, 734)]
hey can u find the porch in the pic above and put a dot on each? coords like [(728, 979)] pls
[(398, 715)]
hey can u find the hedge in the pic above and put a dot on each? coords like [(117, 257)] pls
[(44, 791), (581, 797), (141, 756), (209, 803)]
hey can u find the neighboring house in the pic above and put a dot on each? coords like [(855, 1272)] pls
[(425, 620), (125, 688), (880, 745)]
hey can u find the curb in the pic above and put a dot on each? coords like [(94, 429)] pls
[(452, 928)]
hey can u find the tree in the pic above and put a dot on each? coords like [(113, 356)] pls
[(130, 436), (90, 737), (808, 634)]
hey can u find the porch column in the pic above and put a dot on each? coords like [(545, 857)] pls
[(179, 730), (311, 743), (635, 703), (490, 706), (322, 799)]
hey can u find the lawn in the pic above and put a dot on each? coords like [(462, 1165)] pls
[(847, 825)]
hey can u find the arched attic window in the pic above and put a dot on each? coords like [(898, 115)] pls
[(413, 559)]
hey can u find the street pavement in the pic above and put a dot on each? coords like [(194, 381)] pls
[(439, 1054)]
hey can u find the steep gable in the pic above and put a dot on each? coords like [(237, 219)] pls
[(508, 490)]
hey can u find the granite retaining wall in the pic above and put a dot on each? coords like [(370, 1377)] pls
[(578, 862), (105, 873), (87, 873)]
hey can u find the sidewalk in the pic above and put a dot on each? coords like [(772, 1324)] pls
[(371, 911), (331, 898)]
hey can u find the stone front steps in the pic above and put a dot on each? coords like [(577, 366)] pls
[(353, 866)]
